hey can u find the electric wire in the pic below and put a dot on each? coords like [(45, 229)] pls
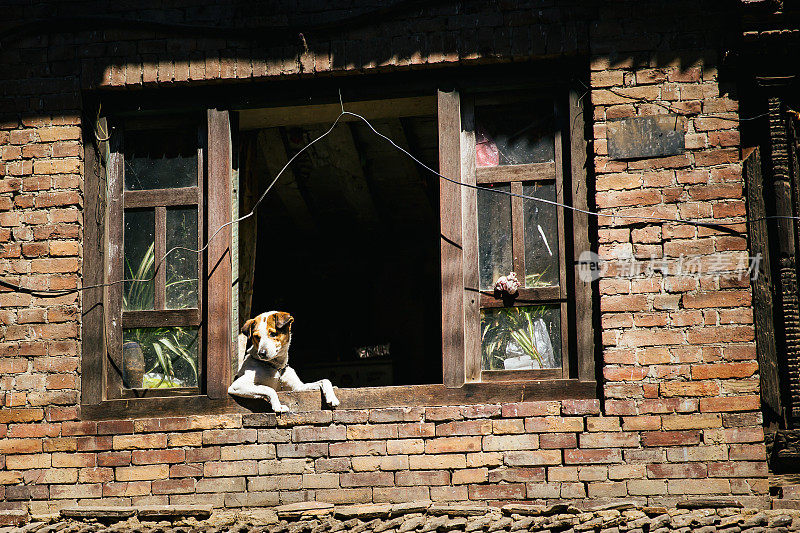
[(61, 292)]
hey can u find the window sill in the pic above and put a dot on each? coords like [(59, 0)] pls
[(360, 398)]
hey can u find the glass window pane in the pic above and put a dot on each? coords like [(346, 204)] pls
[(160, 159), (159, 358), (182, 264), (139, 259), (494, 235), (541, 236), (521, 338), (513, 134)]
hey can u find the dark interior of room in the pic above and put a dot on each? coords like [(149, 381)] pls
[(348, 244)]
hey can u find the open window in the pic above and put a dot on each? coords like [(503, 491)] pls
[(347, 239), (388, 269)]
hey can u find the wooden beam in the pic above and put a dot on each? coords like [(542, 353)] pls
[(579, 182), (449, 114), (219, 254), (469, 232), (92, 311), (761, 284), (271, 117), (115, 250)]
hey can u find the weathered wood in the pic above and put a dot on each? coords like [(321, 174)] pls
[(525, 172), (469, 229), (450, 200), (160, 393), (247, 230), (562, 179), (530, 296), (218, 305), (99, 512), (162, 197), (114, 247), (359, 398), (162, 318), (585, 345), (761, 283), (517, 375), (92, 319), (160, 249), (271, 117), (173, 512), (786, 246), (518, 230)]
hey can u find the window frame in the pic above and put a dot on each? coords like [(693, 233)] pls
[(103, 240), (462, 298), (454, 389)]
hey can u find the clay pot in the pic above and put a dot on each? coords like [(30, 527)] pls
[(132, 365)]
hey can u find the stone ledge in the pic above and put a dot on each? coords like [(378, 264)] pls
[(701, 514)]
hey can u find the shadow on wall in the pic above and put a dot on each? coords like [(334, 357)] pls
[(47, 47)]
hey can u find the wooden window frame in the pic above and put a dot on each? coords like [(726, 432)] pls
[(103, 316), (458, 228), (462, 298)]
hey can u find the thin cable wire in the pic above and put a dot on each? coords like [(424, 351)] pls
[(61, 292)]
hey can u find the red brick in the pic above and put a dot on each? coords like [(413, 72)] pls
[(508, 491), (542, 408), (679, 470), (141, 457), (423, 477), (730, 403), (591, 456), (366, 479), (464, 427), (558, 440), (609, 440), (738, 469), (453, 444), (689, 388), (670, 438)]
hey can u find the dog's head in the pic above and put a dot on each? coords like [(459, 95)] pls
[(270, 334)]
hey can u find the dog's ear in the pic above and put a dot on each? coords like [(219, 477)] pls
[(283, 319), (247, 328)]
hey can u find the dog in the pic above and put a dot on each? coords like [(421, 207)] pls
[(266, 369)]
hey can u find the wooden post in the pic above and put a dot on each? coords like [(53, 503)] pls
[(449, 115), (761, 283), (579, 183), (219, 264), (92, 274), (787, 265)]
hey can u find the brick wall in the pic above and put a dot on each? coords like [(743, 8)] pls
[(679, 414)]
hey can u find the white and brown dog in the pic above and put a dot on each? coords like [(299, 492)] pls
[(266, 369)]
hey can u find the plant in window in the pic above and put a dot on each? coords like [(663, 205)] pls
[(515, 333), (167, 351)]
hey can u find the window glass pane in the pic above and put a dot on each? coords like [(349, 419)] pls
[(541, 236), (159, 358), (494, 235), (139, 259), (521, 338), (182, 264), (513, 134), (160, 159)]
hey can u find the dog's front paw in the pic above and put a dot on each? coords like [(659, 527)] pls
[(280, 408), (333, 401)]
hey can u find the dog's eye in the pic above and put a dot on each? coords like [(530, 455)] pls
[(273, 333)]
